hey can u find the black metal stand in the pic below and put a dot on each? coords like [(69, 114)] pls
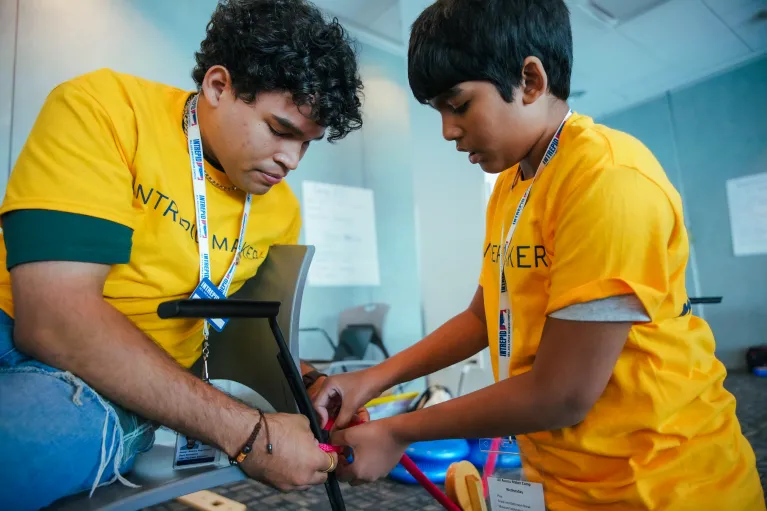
[(267, 310)]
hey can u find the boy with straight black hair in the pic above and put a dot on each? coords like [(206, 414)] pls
[(608, 381)]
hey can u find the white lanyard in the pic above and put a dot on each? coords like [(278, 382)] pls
[(198, 180), (504, 303)]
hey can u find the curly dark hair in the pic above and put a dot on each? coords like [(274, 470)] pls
[(286, 45)]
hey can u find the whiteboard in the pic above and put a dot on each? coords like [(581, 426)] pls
[(340, 222), (747, 200)]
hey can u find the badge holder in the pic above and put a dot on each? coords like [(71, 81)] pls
[(503, 479), (191, 453), (229, 308)]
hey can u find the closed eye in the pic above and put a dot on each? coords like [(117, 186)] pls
[(276, 133), (459, 110)]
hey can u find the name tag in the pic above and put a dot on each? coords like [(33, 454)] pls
[(207, 290), (191, 453), (512, 495)]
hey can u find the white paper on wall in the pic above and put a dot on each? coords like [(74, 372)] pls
[(340, 222), (747, 200)]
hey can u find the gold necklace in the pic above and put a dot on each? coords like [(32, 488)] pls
[(185, 124), (219, 185)]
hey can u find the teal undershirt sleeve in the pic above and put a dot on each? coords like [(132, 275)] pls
[(33, 235)]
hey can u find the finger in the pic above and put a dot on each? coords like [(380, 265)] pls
[(335, 460), (325, 402), (323, 416), (319, 478), (363, 415), (345, 415), (323, 462), (339, 437), (345, 474)]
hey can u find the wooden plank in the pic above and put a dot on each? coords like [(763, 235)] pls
[(209, 501)]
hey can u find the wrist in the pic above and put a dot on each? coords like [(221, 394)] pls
[(235, 437), (383, 376), (400, 428), (312, 377)]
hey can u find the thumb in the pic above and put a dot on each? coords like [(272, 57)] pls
[(322, 412), (322, 402), (345, 414), (338, 437)]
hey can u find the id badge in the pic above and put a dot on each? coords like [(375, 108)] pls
[(511, 494), (207, 290), (506, 487), (191, 453)]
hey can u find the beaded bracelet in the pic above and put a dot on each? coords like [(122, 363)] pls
[(248, 447)]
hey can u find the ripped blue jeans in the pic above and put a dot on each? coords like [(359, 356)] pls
[(57, 435)]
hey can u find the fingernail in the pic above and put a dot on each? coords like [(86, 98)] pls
[(349, 455)]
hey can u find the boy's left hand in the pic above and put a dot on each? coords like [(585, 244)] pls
[(313, 391), (376, 452)]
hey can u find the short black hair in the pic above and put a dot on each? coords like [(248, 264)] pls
[(286, 45), (455, 41)]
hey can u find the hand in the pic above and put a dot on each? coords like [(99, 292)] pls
[(297, 461), (362, 414), (376, 451), (343, 395)]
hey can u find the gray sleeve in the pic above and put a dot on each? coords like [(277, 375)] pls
[(623, 308)]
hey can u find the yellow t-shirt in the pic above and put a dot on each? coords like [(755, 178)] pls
[(603, 220), (112, 146)]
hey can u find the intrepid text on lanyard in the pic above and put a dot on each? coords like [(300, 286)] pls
[(206, 288), (504, 303)]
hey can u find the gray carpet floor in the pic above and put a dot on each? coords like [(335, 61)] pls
[(384, 495)]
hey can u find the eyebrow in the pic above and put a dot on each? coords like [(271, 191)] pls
[(288, 125)]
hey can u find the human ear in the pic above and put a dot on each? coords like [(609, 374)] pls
[(216, 83), (535, 82)]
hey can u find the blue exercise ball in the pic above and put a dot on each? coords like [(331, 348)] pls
[(435, 471), (433, 458), (446, 451)]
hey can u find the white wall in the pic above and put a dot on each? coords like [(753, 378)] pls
[(7, 52)]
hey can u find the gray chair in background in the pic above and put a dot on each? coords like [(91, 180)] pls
[(372, 314), (245, 353), (358, 328)]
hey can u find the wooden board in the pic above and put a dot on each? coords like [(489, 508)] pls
[(209, 501)]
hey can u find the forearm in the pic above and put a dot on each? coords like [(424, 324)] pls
[(514, 406), (461, 337), (100, 345)]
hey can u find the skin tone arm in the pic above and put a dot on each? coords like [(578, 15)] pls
[(63, 320), (458, 339), (572, 367)]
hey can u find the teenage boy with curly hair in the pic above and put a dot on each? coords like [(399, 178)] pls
[(607, 379), (101, 223)]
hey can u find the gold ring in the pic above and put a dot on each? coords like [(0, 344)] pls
[(332, 463)]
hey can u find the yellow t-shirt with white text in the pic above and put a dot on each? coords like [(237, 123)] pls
[(603, 220), (112, 146)]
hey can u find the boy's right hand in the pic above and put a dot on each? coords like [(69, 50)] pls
[(342, 395), (297, 462)]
